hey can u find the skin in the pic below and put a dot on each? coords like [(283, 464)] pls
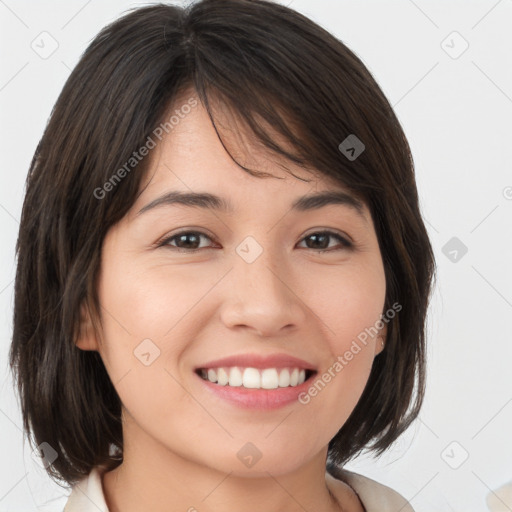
[(181, 443)]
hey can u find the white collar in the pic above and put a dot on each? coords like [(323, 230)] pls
[(87, 495)]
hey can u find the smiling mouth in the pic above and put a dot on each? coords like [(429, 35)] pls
[(256, 378)]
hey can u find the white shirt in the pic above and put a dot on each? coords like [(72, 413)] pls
[(87, 495)]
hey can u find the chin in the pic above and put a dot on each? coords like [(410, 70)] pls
[(251, 462)]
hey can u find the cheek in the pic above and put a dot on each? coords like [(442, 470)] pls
[(349, 304), (348, 300), (154, 303), (150, 315), (138, 309)]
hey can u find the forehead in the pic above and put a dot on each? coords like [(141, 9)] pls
[(191, 160), (193, 137)]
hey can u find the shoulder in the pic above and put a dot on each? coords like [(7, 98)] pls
[(374, 496), (87, 495)]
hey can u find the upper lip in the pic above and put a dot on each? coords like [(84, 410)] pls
[(259, 361)]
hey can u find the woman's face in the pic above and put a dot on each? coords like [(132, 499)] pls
[(248, 282)]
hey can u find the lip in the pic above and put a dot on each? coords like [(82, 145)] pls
[(260, 362), (257, 399)]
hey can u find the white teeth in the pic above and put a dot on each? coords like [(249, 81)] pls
[(235, 377), (284, 378), (269, 379), (223, 377), (253, 378)]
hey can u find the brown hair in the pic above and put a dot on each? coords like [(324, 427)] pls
[(273, 67)]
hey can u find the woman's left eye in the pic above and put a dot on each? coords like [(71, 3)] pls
[(187, 241), (321, 237)]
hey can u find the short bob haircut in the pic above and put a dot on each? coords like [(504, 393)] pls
[(271, 66)]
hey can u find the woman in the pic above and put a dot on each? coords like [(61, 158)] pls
[(223, 272)]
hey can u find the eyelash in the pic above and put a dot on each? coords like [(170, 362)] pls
[(344, 242)]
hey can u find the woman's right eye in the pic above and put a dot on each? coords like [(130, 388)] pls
[(185, 241)]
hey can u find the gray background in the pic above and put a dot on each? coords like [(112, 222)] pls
[(456, 110)]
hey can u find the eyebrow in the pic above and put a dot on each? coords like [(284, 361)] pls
[(217, 203)]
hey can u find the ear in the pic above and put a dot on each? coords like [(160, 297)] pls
[(87, 337), (382, 336)]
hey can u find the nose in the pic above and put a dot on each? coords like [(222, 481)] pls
[(262, 297)]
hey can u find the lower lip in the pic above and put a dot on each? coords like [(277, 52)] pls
[(262, 399)]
